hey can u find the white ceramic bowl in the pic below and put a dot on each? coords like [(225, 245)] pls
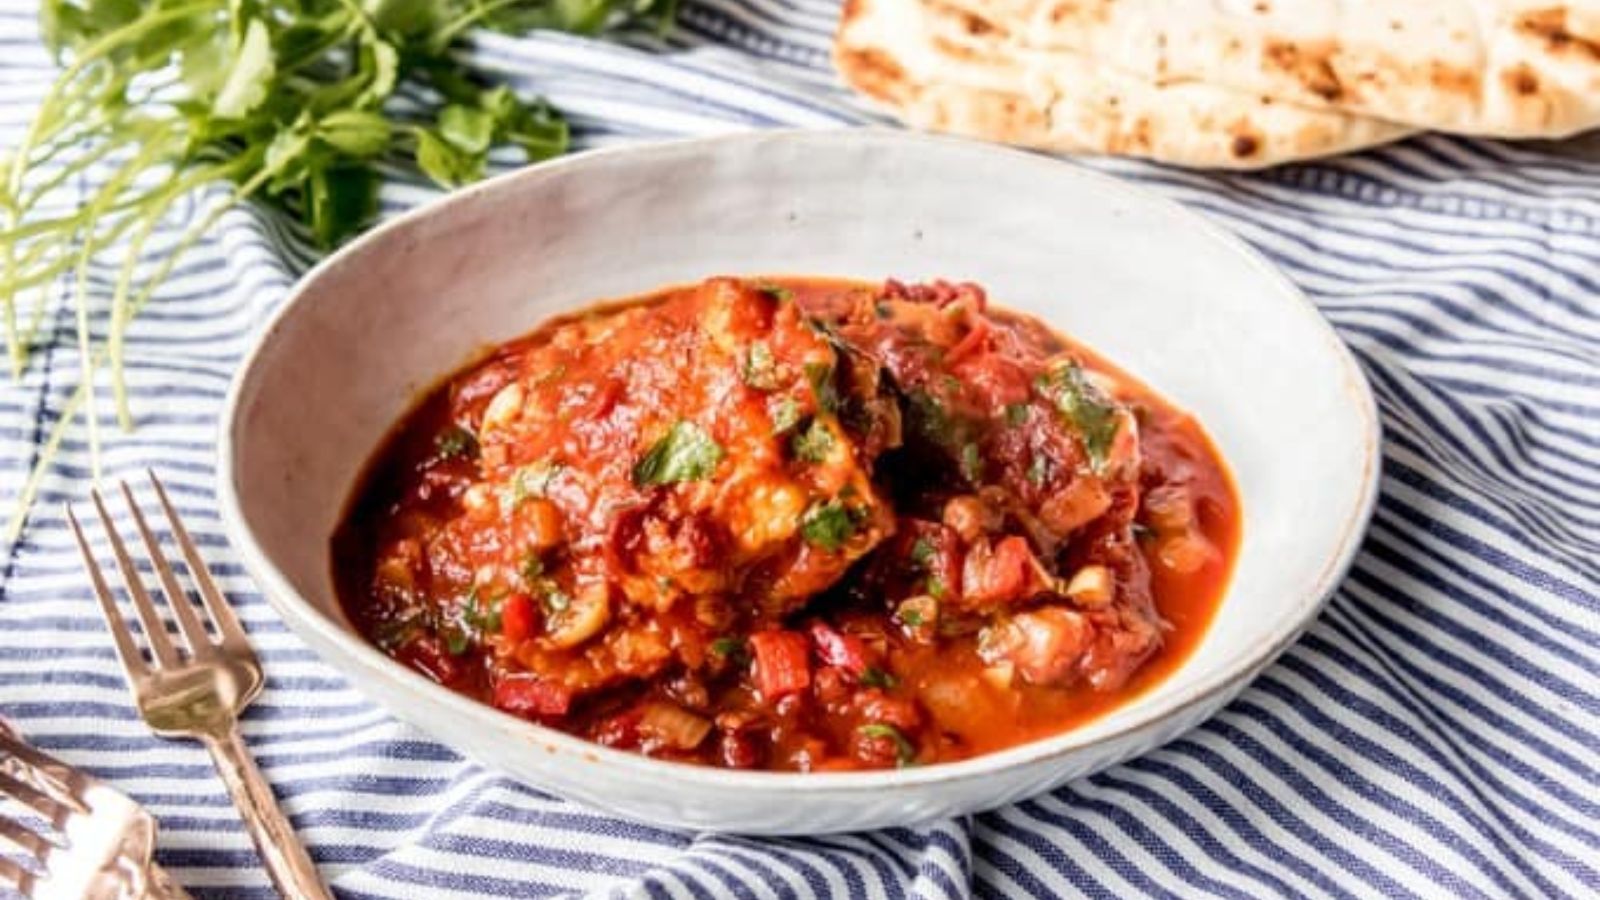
[(1172, 299)]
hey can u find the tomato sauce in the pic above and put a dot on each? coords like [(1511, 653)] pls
[(793, 524)]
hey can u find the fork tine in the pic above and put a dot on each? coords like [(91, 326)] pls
[(221, 611), (177, 598), (17, 877), (32, 844), (132, 661), (33, 798), (155, 630)]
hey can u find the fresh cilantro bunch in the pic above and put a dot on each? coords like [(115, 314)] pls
[(287, 99)]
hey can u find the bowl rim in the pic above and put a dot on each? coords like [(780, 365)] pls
[(320, 630)]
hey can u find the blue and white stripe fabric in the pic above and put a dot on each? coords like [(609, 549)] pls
[(1435, 734)]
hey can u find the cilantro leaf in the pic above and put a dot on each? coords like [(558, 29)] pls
[(455, 441), (814, 444), (905, 752), (786, 416), (686, 453), (250, 75), (760, 369), (828, 525), (820, 376), (1093, 415)]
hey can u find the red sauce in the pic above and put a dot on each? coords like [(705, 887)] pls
[(796, 524)]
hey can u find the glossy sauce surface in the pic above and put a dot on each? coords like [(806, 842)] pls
[(794, 524)]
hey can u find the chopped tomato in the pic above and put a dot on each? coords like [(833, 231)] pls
[(428, 655), (531, 697), (782, 663), (516, 617), (836, 648)]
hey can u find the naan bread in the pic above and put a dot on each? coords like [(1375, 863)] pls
[(942, 69), (1506, 68)]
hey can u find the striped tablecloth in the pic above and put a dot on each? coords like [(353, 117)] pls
[(1435, 733)]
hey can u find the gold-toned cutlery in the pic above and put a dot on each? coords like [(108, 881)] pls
[(201, 694), (81, 838)]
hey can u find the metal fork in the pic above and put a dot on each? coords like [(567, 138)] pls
[(89, 841), (201, 695)]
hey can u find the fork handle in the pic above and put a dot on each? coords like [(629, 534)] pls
[(288, 865)]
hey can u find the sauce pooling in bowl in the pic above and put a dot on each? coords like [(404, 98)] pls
[(793, 524)]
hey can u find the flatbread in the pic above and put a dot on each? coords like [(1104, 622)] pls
[(939, 68), (1504, 68)]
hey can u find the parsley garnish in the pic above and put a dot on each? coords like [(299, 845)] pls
[(829, 525), (528, 481), (686, 453), (786, 416), (731, 649), (878, 678), (1016, 414), (921, 551), (904, 752), (821, 377), (760, 369), (776, 291), (455, 441), (936, 587), (532, 568), (814, 444), (1091, 413)]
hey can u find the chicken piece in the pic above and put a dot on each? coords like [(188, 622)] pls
[(714, 444)]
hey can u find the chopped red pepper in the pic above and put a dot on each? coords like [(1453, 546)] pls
[(516, 617), (782, 662), (835, 648), (428, 655), (531, 697)]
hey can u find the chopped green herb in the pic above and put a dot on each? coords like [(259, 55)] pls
[(814, 444), (1039, 470), (971, 463), (936, 588), (1090, 412), (878, 678), (557, 601), (456, 641), (882, 309), (921, 551), (686, 453), (528, 481), (776, 291), (905, 752), (910, 616), (481, 615), (828, 526), (820, 375), (760, 369), (786, 416), (393, 634), (732, 649), (532, 568), (455, 441), (1016, 414)]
